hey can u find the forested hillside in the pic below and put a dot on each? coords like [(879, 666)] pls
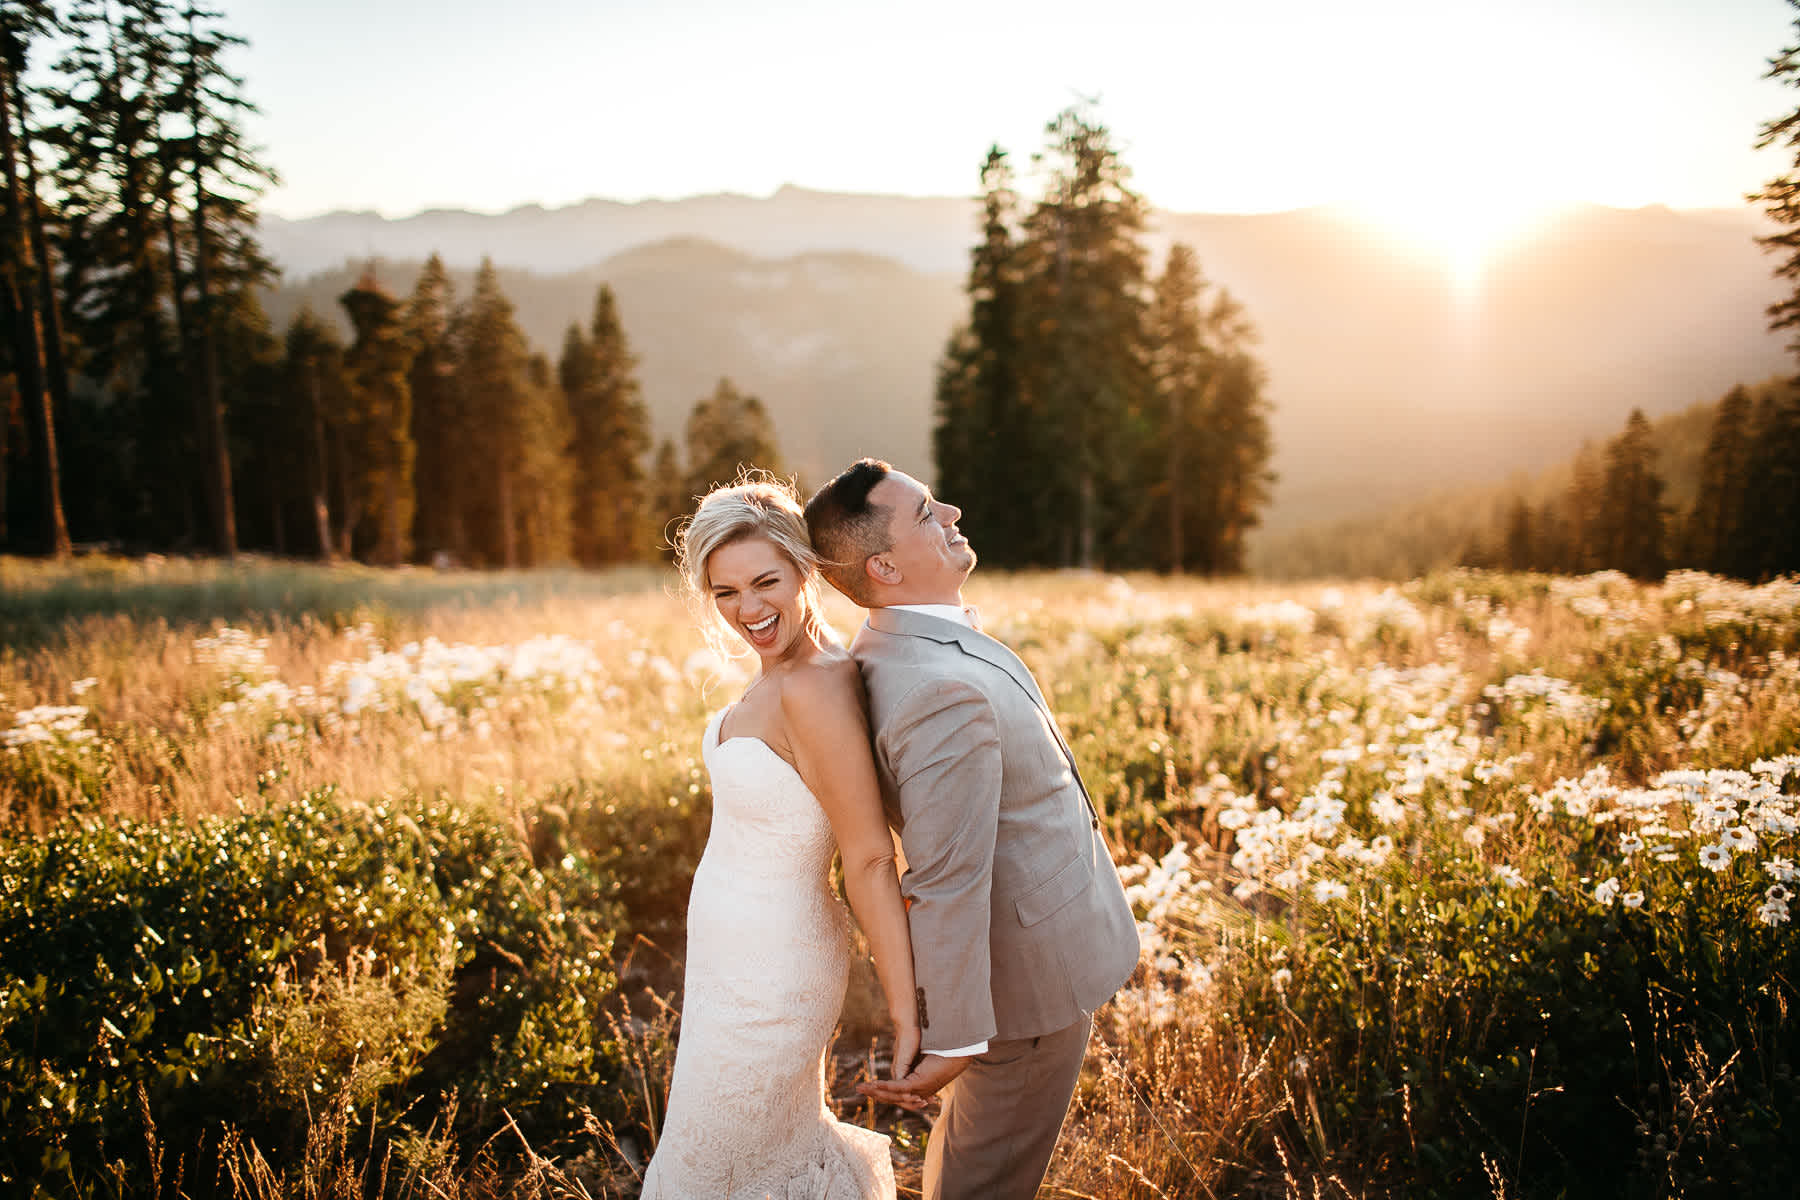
[(840, 346), (1472, 525), (1372, 358)]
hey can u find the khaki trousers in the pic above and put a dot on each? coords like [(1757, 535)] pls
[(1001, 1117)]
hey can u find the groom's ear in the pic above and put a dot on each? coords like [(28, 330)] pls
[(882, 569)]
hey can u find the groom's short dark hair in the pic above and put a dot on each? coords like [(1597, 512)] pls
[(846, 529)]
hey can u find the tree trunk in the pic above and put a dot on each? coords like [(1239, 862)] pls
[(316, 466), (390, 517), (214, 446), (347, 510), (21, 316), (1175, 481), (509, 535), (56, 364)]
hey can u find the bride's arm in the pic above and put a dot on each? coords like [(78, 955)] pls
[(829, 733)]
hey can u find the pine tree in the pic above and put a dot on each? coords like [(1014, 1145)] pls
[(545, 511), (440, 432), (1550, 536), (1519, 548), (204, 145), (1632, 514), (520, 437), (315, 389), (1238, 424), (27, 307), (1581, 510), (611, 435), (669, 499), (983, 432), (1770, 534), (1780, 197), (727, 433), (1724, 480), (1210, 441), (114, 245), (1085, 282), (380, 425), (1180, 372)]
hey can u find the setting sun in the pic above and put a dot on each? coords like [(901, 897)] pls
[(1465, 231)]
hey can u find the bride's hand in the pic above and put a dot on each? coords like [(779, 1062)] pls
[(906, 1049)]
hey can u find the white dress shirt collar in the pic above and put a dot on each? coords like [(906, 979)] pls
[(947, 612)]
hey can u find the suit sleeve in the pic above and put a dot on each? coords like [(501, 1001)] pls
[(943, 747)]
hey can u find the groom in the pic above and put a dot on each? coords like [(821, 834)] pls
[(1020, 927)]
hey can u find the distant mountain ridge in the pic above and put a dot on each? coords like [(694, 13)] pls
[(1387, 384), (929, 234)]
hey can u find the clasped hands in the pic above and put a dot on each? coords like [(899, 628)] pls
[(916, 1077)]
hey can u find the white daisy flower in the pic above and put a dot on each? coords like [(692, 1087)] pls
[(1738, 838), (1632, 899), (1715, 858), (1607, 892), (1327, 890)]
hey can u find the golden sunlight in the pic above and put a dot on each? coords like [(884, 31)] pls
[(1466, 231)]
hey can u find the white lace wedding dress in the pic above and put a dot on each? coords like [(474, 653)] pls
[(767, 963)]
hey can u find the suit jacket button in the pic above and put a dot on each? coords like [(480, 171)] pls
[(1096, 822)]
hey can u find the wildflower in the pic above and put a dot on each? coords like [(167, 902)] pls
[(1384, 808), (1778, 892), (1773, 912), (82, 686), (1629, 844), (1474, 835), (1738, 838), (1782, 869), (1632, 899), (1607, 892), (1509, 875), (1715, 858), (1281, 978), (1327, 890)]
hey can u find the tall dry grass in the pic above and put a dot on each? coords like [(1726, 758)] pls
[(1186, 701)]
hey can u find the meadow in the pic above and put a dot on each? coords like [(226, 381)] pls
[(338, 882)]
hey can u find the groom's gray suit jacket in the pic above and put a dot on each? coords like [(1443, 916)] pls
[(1019, 923)]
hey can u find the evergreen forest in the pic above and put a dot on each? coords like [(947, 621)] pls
[(1093, 408)]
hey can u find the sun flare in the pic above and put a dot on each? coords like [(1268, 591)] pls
[(1466, 232)]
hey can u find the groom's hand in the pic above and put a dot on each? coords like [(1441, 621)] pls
[(928, 1076)]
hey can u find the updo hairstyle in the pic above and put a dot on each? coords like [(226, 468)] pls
[(757, 505)]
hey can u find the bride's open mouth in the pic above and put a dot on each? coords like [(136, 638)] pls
[(763, 631)]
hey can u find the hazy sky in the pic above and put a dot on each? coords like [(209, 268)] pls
[(1248, 105)]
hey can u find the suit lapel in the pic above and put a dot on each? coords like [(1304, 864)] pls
[(970, 641), (988, 650)]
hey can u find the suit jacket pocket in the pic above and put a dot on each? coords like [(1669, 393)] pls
[(1070, 880)]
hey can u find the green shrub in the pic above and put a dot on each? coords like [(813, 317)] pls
[(1604, 1022), (252, 969)]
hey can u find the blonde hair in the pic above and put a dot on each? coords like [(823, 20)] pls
[(757, 505)]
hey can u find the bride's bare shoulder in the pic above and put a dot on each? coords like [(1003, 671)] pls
[(828, 677)]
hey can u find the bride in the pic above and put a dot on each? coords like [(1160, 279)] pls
[(768, 943)]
